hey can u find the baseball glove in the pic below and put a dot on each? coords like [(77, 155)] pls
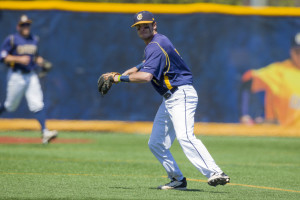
[(105, 82), (46, 67)]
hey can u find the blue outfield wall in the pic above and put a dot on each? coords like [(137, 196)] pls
[(218, 48)]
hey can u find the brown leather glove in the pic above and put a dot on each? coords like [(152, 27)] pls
[(105, 82), (46, 67)]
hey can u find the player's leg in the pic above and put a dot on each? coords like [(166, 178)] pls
[(160, 141), (2, 108), (15, 89), (182, 106), (34, 97)]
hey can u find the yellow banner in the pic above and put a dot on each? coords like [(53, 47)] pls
[(220, 129), (155, 8)]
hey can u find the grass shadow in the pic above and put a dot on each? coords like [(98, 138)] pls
[(196, 190), (124, 188)]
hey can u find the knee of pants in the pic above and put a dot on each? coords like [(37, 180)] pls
[(36, 107), (10, 107), (182, 140), (153, 146)]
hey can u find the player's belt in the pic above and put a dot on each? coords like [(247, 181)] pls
[(22, 71), (168, 94)]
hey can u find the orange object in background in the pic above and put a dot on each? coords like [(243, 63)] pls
[(281, 83)]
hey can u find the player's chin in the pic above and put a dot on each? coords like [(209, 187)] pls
[(25, 32), (144, 36)]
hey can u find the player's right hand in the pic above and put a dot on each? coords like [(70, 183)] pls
[(23, 60)]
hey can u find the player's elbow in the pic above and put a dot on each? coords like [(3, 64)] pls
[(4, 59), (7, 59), (147, 77)]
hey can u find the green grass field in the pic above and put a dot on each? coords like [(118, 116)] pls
[(120, 166)]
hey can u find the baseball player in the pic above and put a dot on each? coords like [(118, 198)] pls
[(20, 52), (172, 79)]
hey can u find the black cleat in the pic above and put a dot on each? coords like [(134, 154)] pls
[(218, 179), (174, 185)]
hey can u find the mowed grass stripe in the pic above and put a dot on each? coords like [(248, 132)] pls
[(189, 179), (145, 161)]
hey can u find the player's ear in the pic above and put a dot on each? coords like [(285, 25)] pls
[(154, 26)]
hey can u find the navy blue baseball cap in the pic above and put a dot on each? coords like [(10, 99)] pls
[(143, 17), (296, 41)]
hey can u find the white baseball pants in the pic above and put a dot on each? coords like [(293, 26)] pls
[(175, 118), (18, 85)]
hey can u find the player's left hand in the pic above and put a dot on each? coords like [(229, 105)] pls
[(46, 67), (105, 81)]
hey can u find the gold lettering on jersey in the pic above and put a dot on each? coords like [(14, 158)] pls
[(295, 102), (27, 49)]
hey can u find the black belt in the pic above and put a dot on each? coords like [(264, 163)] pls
[(20, 70), (168, 94)]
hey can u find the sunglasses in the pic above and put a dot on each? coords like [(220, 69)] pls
[(25, 25), (138, 27)]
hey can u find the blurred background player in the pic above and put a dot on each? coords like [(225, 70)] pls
[(281, 83), (20, 52)]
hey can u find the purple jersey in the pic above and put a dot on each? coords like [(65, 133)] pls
[(165, 64), (17, 45)]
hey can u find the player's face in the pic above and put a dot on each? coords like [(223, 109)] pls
[(145, 31), (295, 56), (24, 29)]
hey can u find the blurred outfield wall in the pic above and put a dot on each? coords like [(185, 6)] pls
[(219, 43)]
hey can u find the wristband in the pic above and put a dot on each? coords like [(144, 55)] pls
[(124, 78), (139, 66)]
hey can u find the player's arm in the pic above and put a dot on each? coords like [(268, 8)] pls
[(23, 60), (153, 59), (130, 71), (133, 69), (137, 77), (6, 57), (247, 76)]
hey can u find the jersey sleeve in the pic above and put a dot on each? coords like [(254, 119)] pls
[(155, 61), (37, 40), (5, 49), (267, 78)]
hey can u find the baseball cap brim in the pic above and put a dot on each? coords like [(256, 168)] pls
[(25, 22), (142, 22)]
